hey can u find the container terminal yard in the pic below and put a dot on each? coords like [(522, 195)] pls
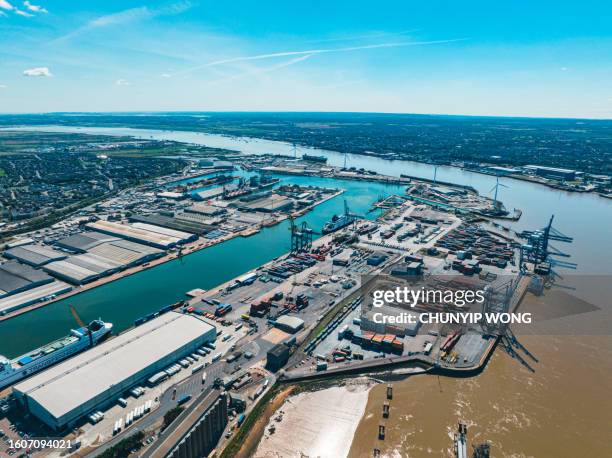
[(184, 380)]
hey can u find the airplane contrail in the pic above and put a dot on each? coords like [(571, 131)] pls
[(259, 71), (311, 52)]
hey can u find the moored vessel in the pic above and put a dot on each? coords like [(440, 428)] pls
[(12, 371)]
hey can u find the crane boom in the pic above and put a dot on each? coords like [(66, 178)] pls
[(77, 317)]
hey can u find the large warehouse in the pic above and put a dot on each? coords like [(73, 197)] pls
[(552, 172), (34, 255), (126, 253), (16, 277), (82, 268), (95, 379), (172, 222), (101, 260), (84, 241), (31, 296), (159, 238)]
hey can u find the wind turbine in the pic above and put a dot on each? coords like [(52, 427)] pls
[(496, 187)]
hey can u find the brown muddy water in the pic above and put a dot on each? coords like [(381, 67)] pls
[(563, 409)]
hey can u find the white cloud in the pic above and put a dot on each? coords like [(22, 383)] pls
[(2, 86), (166, 75), (5, 5), (23, 13), (2, 13), (128, 16), (122, 17), (37, 71), (122, 82), (34, 8)]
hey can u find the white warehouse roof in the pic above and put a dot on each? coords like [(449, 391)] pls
[(130, 232), (71, 384), (290, 322), (163, 231)]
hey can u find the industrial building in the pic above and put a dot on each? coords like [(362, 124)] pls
[(552, 172), (34, 255), (16, 277), (209, 193), (277, 357), (407, 269), (502, 171), (23, 299), (80, 243), (123, 252), (196, 432), (173, 222), (171, 195), (126, 253), (182, 236), (205, 209), (102, 258), (371, 320), (82, 268), (226, 165), (156, 238), (63, 394), (291, 324), (269, 204)]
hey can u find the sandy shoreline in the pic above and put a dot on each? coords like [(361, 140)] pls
[(318, 423)]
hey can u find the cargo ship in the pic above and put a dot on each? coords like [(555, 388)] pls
[(308, 157), (12, 371), (339, 222)]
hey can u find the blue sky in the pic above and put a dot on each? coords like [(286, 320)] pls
[(514, 58)]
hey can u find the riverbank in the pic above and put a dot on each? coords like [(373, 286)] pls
[(253, 429), (320, 423), (265, 145)]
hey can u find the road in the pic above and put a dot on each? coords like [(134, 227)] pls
[(191, 386)]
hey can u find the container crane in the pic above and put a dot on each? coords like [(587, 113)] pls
[(80, 322)]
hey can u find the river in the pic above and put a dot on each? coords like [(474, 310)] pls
[(562, 409)]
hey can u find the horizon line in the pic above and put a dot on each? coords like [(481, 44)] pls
[(384, 113)]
